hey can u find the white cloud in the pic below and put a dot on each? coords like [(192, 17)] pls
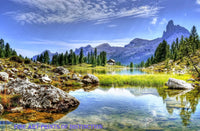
[(67, 11), (163, 21), (154, 21), (112, 25), (198, 2)]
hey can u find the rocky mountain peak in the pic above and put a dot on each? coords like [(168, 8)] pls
[(172, 29)]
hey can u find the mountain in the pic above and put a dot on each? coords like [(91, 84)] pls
[(139, 49), (50, 55)]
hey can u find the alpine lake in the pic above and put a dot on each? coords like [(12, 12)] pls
[(118, 109)]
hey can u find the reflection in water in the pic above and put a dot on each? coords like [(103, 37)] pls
[(133, 109), (121, 71), (184, 100)]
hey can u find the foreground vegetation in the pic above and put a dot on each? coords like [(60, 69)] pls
[(148, 80)]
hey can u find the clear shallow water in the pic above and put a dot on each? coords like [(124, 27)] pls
[(111, 71), (136, 109)]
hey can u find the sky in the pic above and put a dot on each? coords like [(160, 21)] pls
[(32, 26)]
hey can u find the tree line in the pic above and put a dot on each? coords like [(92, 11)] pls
[(5, 50), (178, 50), (70, 58)]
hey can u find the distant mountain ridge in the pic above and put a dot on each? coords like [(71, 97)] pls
[(139, 49), (49, 52)]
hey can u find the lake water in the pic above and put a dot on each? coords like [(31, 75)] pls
[(134, 108), (122, 71)]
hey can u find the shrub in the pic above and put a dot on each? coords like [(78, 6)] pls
[(16, 59), (27, 61)]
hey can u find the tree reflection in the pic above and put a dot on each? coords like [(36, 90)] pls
[(184, 100)]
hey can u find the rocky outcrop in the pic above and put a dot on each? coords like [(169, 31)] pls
[(41, 97), (178, 84), (90, 79), (61, 70), (4, 76)]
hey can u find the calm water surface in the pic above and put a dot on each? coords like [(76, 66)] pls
[(136, 108)]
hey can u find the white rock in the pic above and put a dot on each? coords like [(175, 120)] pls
[(4, 76), (178, 84)]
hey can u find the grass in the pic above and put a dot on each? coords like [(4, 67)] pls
[(148, 80)]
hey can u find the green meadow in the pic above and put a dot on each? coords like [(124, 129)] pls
[(148, 80)]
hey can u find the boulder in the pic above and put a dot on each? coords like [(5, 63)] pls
[(61, 70), (178, 84), (4, 76), (41, 97), (1, 109), (90, 79), (17, 110)]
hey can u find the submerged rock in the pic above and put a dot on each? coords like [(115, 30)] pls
[(90, 79), (61, 70), (41, 97), (4, 76), (178, 84)]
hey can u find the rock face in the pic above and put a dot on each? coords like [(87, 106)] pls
[(90, 79), (41, 97), (61, 70), (4, 76), (178, 84)]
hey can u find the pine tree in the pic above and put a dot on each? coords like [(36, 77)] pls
[(7, 50), (95, 53), (81, 56), (66, 58), (131, 65)]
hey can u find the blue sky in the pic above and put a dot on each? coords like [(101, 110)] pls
[(31, 26)]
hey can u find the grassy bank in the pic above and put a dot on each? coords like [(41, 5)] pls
[(155, 80)]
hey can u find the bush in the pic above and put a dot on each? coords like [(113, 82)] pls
[(27, 61), (16, 59)]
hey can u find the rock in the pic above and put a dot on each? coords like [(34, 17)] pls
[(1, 109), (14, 70), (61, 70), (191, 79), (178, 84), (1, 67), (4, 76), (17, 110), (28, 73), (75, 77), (37, 62), (10, 72), (41, 97), (45, 79), (36, 76), (90, 79), (35, 68)]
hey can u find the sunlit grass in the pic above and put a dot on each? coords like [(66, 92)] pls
[(148, 80)]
